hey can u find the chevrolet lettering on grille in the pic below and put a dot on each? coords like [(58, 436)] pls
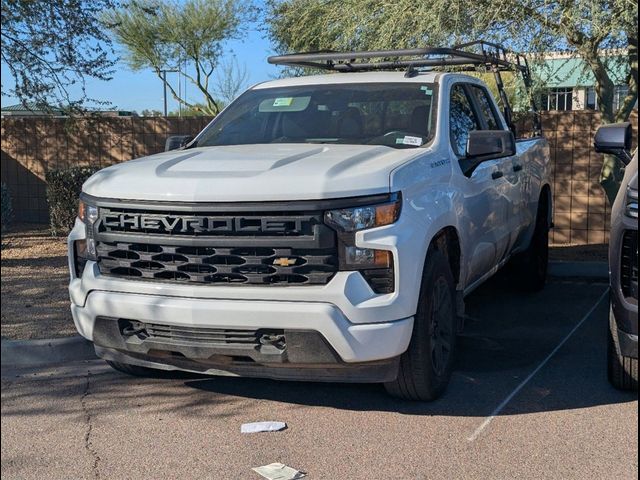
[(199, 224)]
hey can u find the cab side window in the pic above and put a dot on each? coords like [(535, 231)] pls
[(486, 107), (462, 120)]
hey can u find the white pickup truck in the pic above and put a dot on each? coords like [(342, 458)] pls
[(320, 228)]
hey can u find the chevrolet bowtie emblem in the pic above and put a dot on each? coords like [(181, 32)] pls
[(284, 261)]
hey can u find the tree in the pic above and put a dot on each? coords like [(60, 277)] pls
[(195, 111), (582, 27), (231, 80), (163, 35), (585, 28), (150, 112), (50, 48)]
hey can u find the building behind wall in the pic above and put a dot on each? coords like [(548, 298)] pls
[(570, 85)]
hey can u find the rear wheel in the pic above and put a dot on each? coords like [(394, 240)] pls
[(531, 265), (623, 371), (425, 368)]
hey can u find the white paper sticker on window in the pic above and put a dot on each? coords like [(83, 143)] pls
[(408, 140)]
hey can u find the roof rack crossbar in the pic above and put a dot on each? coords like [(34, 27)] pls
[(420, 57)]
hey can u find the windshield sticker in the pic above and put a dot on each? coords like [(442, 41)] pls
[(426, 90), (408, 140), (283, 102)]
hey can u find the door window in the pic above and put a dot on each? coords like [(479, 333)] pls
[(486, 108), (462, 120)]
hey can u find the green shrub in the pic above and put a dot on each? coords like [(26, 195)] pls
[(7, 209), (63, 189)]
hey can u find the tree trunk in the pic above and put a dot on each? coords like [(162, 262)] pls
[(612, 169)]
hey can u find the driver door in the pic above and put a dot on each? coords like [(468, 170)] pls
[(487, 191)]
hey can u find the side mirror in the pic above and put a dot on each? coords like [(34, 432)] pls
[(615, 139), (486, 145), (489, 144), (177, 141)]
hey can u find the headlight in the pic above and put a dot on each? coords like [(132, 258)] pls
[(376, 266), (631, 203), (88, 214), (361, 218)]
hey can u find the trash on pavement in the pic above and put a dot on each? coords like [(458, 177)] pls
[(279, 471), (262, 427)]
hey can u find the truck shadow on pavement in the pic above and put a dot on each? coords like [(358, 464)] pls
[(507, 335)]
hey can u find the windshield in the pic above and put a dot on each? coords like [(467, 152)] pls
[(398, 115)]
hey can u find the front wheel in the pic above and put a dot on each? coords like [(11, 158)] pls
[(425, 368)]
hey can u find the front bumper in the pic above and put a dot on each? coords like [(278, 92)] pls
[(623, 305), (352, 343)]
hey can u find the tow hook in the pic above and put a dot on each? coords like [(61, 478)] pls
[(273, 339), (130, 329)]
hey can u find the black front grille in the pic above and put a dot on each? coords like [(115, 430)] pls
[(206, 245), (629, 264), (237, 266)]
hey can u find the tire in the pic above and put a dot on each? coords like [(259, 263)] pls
[(134, 370), (622, 371), (531, 266), (425, 368)]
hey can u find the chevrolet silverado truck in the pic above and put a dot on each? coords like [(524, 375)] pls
[(323, 227)]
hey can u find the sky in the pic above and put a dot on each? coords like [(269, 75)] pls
[(142, 90)]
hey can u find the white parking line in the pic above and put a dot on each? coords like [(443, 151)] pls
[(506, 401)]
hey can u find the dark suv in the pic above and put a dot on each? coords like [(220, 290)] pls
[(623, 260)]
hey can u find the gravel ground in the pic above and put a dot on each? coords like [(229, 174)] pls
[(35, 301)]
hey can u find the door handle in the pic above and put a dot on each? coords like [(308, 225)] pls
[(517, 167), (497, 174)]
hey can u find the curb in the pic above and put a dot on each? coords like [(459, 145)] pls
[(591, 270), (25, 353)]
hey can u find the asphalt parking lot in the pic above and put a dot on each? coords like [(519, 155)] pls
[(529, 399)]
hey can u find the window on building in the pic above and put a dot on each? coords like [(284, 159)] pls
[(558, 99), (592, 99), (619, 94)]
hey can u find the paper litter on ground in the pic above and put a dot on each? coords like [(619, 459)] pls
[(279, 471), (262, 427)]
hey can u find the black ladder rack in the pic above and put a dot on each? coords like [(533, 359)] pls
[(494, 57)]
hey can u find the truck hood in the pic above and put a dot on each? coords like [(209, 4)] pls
[(252, 173)]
